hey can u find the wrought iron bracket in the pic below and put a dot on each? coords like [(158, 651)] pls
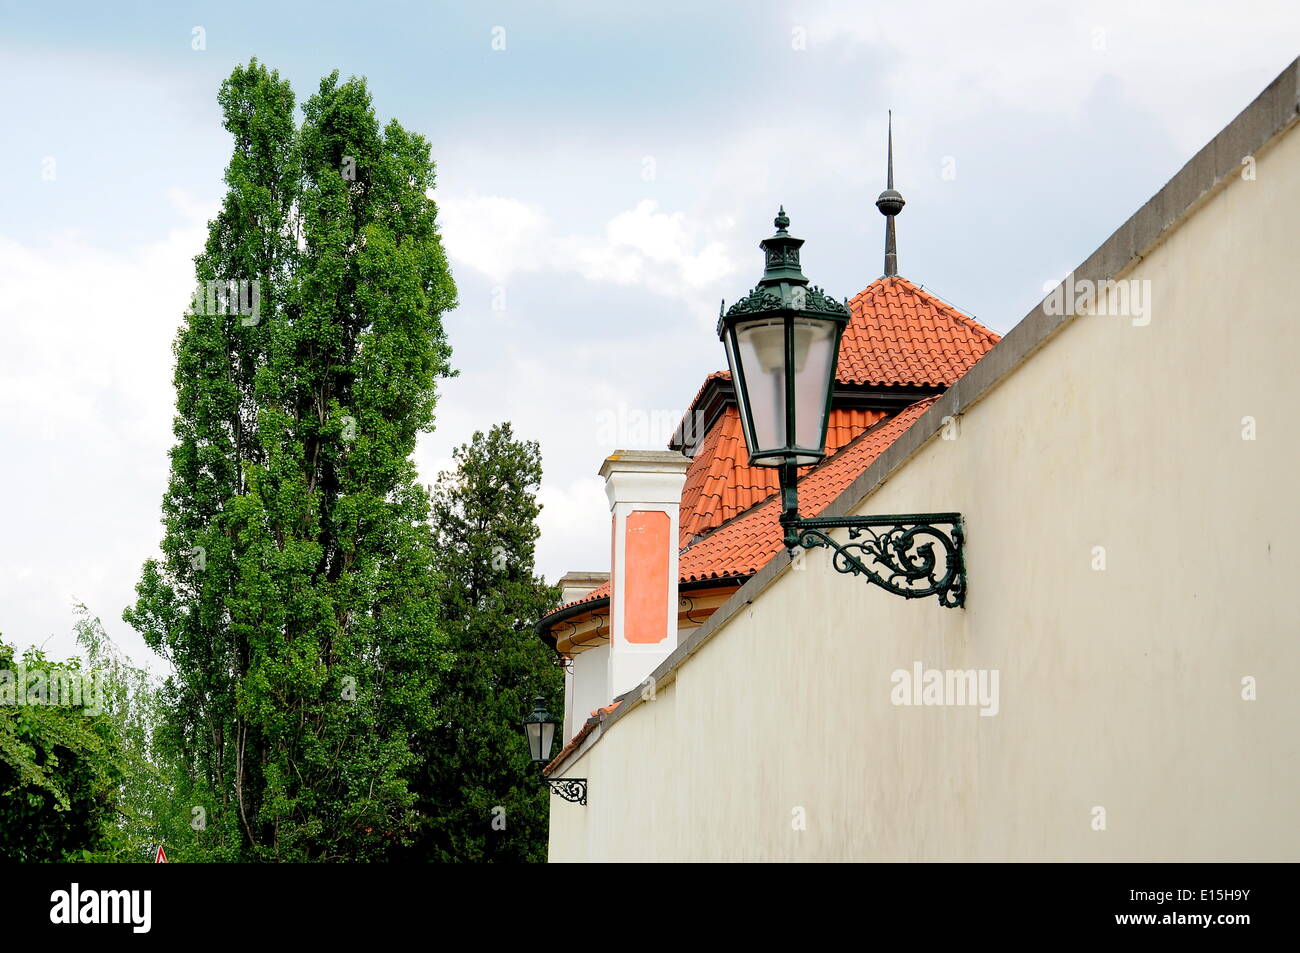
[(909, 555), (573, 790)]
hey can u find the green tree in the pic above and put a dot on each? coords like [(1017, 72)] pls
[(155, 804), (479, 792), (61, 760), (295, 596)]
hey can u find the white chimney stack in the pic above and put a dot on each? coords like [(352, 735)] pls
[(645, 493)]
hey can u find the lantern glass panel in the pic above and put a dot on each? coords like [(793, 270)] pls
[(729, 341), (533, 732), (761, 347), (815, 346)]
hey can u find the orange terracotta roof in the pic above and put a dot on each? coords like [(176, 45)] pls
[(900, 334), (744, 545), (720, 483), (587, 728)]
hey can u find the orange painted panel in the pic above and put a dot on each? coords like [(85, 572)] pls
[(645, 598)]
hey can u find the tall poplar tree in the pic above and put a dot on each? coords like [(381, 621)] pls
[(295, 596)]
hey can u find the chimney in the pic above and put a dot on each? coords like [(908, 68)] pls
[(575, 585), (645, 493)]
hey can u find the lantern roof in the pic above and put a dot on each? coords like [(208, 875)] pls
[(781, 253)]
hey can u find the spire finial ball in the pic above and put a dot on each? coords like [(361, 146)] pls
[(890, 202)]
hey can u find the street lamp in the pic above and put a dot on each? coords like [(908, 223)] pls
[(782, 342), (539, 732)]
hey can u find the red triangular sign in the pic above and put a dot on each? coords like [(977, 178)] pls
[(161, 856)]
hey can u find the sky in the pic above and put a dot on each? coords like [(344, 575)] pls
[(605, 172)]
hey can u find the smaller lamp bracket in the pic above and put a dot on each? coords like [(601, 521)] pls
[(573, 790)]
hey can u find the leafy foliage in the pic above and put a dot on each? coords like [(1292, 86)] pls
[(296, 598), (478, 791), (61, 760)]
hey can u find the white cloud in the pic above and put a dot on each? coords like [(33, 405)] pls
[(575, 527), (492, 234), (663, 252), (990, 58), (86, 396)]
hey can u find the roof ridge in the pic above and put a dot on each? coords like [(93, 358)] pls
[(691, 407), (922, 292)]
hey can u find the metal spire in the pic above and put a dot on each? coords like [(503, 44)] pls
[(890, 204), (889, 171)]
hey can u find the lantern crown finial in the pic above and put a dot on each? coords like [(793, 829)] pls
[(783, 284), (781, 254)]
